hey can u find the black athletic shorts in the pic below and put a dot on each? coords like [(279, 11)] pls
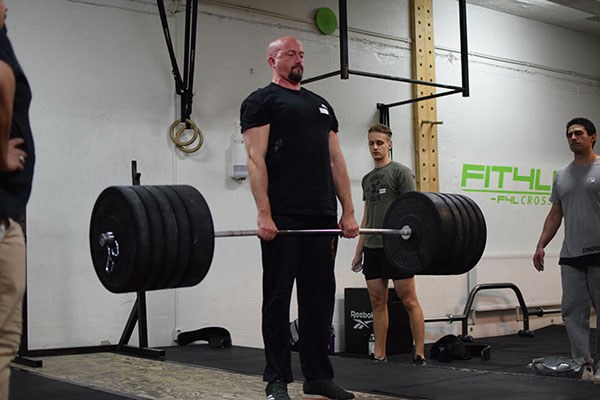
[(377, 266)]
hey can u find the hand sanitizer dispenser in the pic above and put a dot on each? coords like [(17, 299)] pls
[(238, 162)]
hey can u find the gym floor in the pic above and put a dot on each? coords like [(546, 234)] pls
[(198, 371)]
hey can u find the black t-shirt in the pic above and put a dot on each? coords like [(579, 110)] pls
[(298, 159), (15, 187)]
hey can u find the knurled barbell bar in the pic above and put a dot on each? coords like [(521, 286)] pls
[(404, 232), (159, 237)]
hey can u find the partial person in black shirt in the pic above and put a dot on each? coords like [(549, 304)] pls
[(17, 159), (296, 171)]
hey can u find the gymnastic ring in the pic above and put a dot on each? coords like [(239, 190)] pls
[(197, 133), (181, 145), (175, 137)]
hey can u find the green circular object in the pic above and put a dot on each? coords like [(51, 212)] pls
[(326, 20)]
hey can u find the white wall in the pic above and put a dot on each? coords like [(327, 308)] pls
[(104, 95)]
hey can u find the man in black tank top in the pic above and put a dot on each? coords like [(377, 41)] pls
[(296, 171)]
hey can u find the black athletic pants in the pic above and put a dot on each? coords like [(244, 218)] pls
[(308, 259)]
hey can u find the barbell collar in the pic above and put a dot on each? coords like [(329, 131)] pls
[(405, 232), (106, 239)]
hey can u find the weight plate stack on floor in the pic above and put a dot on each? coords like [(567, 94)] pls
[(119, 210)]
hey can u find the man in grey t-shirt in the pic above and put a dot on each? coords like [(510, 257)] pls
[(381, 187), (576, 197)]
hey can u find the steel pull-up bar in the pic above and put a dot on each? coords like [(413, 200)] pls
[(345, 70)]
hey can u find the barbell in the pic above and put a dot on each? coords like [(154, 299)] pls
[(159, 237)]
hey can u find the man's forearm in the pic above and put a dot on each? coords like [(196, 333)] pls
[(259, 184), (342, 187), (551, 225)]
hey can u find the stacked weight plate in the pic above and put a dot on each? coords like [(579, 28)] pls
[(448, 233), (165, 237)]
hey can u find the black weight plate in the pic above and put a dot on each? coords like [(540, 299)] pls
[(455, 252), (482, 238), (203, 234), (418, 211), (474, 226), (479, 237), (184, 236), (120, 211), (170, 238), (447, 238), (465, 244), (148, 276)]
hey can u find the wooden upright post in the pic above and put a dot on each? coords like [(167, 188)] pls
[(425, 112)]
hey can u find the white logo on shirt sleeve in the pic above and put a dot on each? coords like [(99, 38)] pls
[(323, 109)]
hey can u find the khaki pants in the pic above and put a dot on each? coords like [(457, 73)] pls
[(12, 288)]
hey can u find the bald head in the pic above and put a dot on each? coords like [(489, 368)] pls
[(285, 56), (281, 43)]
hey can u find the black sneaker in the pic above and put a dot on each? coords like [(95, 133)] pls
[(372, 357), (325, 389), (420, 361), (277, 391)]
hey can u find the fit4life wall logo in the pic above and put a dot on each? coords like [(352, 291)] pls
[(509, 185)]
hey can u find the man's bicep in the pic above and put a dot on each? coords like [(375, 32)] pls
[(7, 83)]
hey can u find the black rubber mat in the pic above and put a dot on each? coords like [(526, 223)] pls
[(504, 376)]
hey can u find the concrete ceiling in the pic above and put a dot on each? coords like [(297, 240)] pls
[(578, 15)]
